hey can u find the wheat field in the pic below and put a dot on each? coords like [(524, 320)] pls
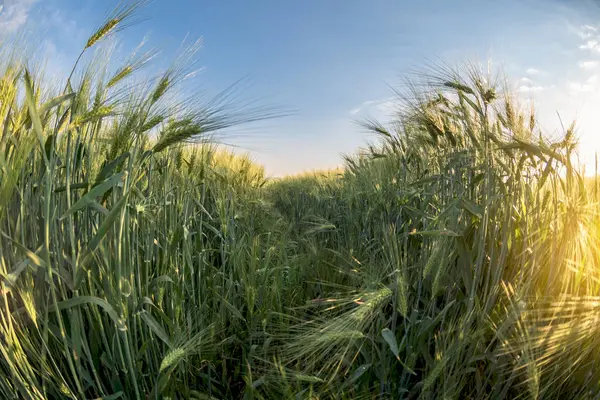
[(455, 257)]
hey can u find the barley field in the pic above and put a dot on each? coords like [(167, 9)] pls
[(455, 257)]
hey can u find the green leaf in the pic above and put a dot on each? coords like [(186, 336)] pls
[(390, 338), (428, 180), (63, 119), (156, 328), (440, 232), (80, 153), (80, 300), (356, 374), (160, 279), (472, 207), (108, 169), (33, 257), (427, 327), (33, 113), (114, 396), (11, 278), (230, 307), (50, 104), (258, 383), (97, 207), (104, 228), (73, 186), (320, 228), (175, 238), (90, 196), (48, 146), (308, 378)]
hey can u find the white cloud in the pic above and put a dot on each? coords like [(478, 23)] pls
[(589, 85), (386, 105), (592, 80), (14, 14), (586, 31), (361, 107), (526, 80), (590, 45), (533, 71), (577, 87), (527, 89), (590, 64), (57, 20)]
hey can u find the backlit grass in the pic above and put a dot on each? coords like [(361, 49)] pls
[(457, 257)]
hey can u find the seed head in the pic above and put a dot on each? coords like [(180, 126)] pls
[(102, 32)]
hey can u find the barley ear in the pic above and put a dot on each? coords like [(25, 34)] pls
[(101, 33)]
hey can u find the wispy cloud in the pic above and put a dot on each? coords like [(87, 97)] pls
[(590, 36), (578, 87), (593, 80), (590, 84), (388, 106), (364, 105), (534, 71), (591, 44), (586, 31), (57, 20), (530, 89), (382, 106), (589, 64), (14, 14)]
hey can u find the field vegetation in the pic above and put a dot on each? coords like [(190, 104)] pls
[(455, 257)]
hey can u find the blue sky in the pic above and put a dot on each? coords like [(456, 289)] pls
[(333, 62)]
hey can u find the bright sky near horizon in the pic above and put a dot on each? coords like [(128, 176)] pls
[(333, 62)]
